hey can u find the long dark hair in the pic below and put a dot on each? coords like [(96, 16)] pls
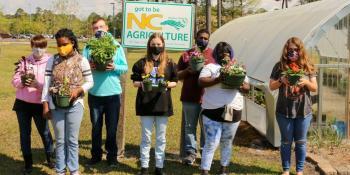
[(220, 48), (70, 35)]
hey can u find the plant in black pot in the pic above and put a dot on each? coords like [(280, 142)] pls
[(101, 51), (61, 98), (147, 83), (162, 84)]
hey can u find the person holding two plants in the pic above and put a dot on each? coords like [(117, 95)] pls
[(28, 81), (222, 108), (154, 106), (188, 69), (67, 78), (294, 76), (108, 63)]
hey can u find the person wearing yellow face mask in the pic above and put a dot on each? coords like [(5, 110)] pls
[(70, 70), (65, 50)]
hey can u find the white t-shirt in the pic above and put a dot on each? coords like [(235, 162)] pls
[(214, 96)]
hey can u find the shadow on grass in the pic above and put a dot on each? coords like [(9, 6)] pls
[(11, 166)]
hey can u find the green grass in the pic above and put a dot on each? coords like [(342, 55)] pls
[(243, 162)]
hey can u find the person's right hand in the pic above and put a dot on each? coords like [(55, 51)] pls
[(28, 82), (92, 65), (46, 111), (284, 80)]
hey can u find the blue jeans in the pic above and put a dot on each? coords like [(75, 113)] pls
[(25, 128), (66, 123), (217, 133), (191, 111), (110, 107), (147, 123), (293, 130)]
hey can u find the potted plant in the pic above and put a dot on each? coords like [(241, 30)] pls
[(102, 51), (26, 74), (162, 84), (197, 60), (147, 83), (293, 73), (62, 96), (232, 75)]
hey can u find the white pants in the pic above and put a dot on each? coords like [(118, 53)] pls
[(147, 123)]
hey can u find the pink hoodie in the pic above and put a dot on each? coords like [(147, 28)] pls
[(30, 94)]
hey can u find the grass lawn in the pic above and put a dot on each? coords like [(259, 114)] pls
[(244, 160)]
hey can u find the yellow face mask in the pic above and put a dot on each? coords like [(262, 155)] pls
[(65, 50)]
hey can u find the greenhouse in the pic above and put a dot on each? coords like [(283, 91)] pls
[(258, 41)]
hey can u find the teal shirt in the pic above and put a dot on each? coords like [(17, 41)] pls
[(107, 83)]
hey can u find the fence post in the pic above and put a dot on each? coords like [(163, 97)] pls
[(320, 98)]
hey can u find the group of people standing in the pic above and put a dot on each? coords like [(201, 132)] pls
[(203, 101)]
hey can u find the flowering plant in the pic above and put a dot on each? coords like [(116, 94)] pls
[(196, 56), (293, 73), (232, 74), (146, 79)]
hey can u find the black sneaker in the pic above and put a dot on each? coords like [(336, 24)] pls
[(189, 159), (223, 170), (144, 171), (112, 163), (205, 172), (159, 171), (94, 161)]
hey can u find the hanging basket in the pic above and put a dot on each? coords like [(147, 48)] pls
[(232, 81)]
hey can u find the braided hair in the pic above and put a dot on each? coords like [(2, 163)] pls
[(70, 35)]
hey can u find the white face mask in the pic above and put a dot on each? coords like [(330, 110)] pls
[(38, 52)]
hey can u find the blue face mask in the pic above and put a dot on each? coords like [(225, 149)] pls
[(202, 44)]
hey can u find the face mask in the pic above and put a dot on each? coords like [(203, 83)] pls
[(38, 52), (156, 50), (65, 50), (292, 55), (100, 33), (202, 44)]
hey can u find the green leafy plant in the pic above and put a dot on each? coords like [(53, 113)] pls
[(232, 74), (102, 49), (64, 89), (325, 137), (293, 73), (147, 83)]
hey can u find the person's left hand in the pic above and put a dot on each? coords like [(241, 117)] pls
[(303, 82), (75, 93), (110, 66)]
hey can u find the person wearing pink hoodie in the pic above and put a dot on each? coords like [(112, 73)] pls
[(28, 81)]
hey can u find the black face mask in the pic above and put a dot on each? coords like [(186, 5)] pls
[(156, 50), (100, 34), (202, 44)]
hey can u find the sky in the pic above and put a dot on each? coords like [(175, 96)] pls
[(101, 7)]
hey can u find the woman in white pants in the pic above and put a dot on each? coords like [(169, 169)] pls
[(155, 106), (217, 129)]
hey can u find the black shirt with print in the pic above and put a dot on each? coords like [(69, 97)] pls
[(154, 103)]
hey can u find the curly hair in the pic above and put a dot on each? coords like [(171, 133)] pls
[(303, 61), (70, 35)]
